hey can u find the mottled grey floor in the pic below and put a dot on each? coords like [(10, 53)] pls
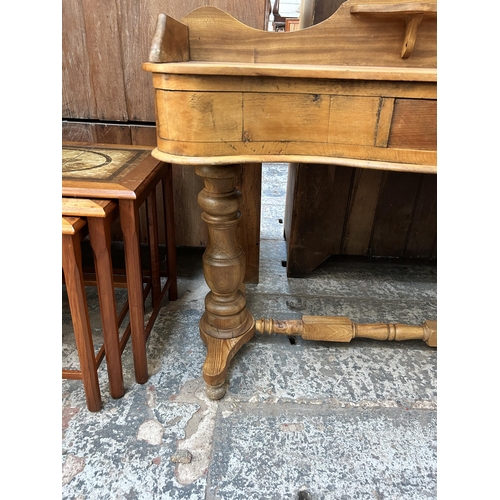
[(301, 420)]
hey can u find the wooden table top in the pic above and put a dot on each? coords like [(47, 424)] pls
[(357, 90), (106, 171)]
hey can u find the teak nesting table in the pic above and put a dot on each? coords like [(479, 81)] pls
[(128, 176), (359, 90)]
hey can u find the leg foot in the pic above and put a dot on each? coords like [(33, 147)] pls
[(216, 392), (220, 352)]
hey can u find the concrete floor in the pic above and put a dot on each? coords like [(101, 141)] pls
[(301, 420)]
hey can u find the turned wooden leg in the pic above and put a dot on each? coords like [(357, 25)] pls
[(226, 324)]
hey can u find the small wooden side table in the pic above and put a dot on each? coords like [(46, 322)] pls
[(129, 175), (99, 215)]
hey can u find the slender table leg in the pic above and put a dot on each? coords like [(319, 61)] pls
[(100, 240), (226, 324), (168, 207), (129, 218), (72, 267), (152, 214)]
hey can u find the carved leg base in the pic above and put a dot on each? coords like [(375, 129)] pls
[(220, 352)]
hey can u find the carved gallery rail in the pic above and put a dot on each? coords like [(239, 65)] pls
[(227, 94)]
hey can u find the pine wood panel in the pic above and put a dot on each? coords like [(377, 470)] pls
[(197, 108), (77, 93), (243, 125), (353, 120), (297, 117), (414, 124), (358, 40), (242, 151), (283, 84)]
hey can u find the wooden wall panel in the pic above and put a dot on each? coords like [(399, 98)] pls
[(105, 44), (315, 233), (112, 134), (434, 249), (421, 238), (139, 21), (361, 211), (396, 202), (254, 14), (106, 62), (189, 230), (143, 135), (77, 132), (250, 184), (78, 99)]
